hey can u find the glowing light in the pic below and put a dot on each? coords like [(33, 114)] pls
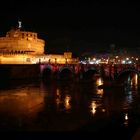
[(83, 62), (99, 81), (136, 79), (91, 62), (126, 119), (93, 107), (58, 99), (100, 91), (103, 110), (19, 24), (131, 83), (57, 92), (126, 116), (123, 62), (67, 102)]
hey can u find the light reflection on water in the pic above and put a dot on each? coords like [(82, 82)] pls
[(99, 81), (62, 106), (93, 107), (126, 119), (67, 102)]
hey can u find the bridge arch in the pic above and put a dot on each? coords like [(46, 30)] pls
[(126, 72), (65, 72), (89, 73), (46, 71), (65, 68)]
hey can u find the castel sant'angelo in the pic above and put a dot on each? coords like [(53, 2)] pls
[(23, 47)]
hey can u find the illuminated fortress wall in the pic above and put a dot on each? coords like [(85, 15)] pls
[(16, 59), (22, 47), (17, 41)]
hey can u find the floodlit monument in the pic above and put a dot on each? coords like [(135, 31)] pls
[(23, 47)]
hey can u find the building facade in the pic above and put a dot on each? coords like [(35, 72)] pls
[(23, 47)]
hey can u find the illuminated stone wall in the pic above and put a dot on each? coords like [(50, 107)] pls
[(68, 55), (16, 59), (20, 47), (35, 59), (59, 58), (17, 41)]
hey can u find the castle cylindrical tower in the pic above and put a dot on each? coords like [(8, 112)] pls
[(17, 41)]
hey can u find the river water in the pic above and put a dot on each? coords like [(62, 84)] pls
[(71, 106)]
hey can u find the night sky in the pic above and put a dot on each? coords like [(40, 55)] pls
[(76, 26)]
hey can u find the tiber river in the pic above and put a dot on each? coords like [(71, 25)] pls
[(72, 106)]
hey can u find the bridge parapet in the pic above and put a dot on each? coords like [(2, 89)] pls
[(105, 70)]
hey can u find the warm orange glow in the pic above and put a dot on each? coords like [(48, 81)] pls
[(93, 107), (126, 119), (126, 116), (67, 102), (58, 99), (99, 81), (21, 47), (100, 91), (21, 102), (33, 59), (131, 83), (136, 79), (103, 110), (57, 92)]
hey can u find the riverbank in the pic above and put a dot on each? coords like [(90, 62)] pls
[(24, 71)]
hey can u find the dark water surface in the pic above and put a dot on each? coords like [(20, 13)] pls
[(61, 106)]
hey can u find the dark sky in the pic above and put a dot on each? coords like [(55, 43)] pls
[(78, 26)]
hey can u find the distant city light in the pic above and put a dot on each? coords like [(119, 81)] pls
[(19, 24)]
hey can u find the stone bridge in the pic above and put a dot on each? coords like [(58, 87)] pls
[(83, 70), (72, 70)]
